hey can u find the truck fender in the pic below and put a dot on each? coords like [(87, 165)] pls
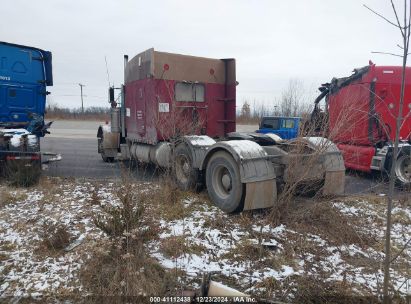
[(108, 142), (251, 158), (333, 164), (256, 171), (198, 145)]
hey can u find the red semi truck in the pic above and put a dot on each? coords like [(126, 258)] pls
[(360, 116), (178, 112)]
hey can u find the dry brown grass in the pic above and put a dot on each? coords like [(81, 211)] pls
[(22, 173), (117, 272), (402, 218), (312, 289), (124, 267), (170, 203), (176, 246), (55, 237), (323, 219), (8, 196)]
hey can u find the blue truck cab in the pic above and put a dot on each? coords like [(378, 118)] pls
[(285, 127), (25, 73)]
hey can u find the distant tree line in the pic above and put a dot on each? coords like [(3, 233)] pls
[(54, 111)]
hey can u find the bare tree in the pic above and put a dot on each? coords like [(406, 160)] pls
[(405, 33), (291, 98), (245, 110)]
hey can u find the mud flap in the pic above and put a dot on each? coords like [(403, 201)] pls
[(108, 141), (260, 195), (333, 164), (334, 183)]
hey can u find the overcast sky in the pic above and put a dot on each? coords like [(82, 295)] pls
[(273, 41)]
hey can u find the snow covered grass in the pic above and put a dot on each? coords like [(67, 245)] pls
[(27, 269), (321, 248), (337, 245)]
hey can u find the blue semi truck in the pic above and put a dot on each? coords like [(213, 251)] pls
[(25, 73)]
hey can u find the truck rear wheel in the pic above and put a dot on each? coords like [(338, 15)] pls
[(403, 170), (224, 184), (185, 174)]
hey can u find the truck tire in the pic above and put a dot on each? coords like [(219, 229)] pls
[(403, 170), (224, 184), (185, 175)]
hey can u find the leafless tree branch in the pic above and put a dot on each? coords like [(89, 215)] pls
[(381, 16), (398, 20), (385, 53)]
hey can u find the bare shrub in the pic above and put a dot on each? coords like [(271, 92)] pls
[(124, 268), (120, 272), (95, 199), (304, 175), (55, 236), (23, 173), (117, 220)]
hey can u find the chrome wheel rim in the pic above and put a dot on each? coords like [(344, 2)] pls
[(222, 181), (403, 169)]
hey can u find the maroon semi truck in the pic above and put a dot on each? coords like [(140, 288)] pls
[(178, 112), (360, 117)]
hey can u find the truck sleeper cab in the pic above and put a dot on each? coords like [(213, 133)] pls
[(178, 112), (25, 73), (362, 111)]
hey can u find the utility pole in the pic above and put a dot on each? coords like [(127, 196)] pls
[(81, 92)]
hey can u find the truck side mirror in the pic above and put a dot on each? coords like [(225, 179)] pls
[(111, 94)]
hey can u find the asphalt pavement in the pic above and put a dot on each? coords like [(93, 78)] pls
[(76, 141)]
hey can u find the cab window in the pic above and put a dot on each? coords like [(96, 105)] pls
[(185, 91), (271, 124), (288, 123)]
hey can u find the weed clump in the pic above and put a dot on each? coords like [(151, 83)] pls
[(22, 173), (116, 220), (56, 236), (125, 268), (11, 197)]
